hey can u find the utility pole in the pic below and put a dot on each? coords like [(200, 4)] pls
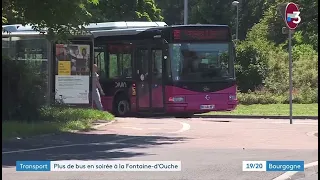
[(236, 4), (185, 13), (290, 73)]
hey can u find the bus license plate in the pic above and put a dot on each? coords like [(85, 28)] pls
[(207, 107)]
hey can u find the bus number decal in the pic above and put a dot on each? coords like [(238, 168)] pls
[(121, 84)]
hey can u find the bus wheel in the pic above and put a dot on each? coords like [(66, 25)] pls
[(122, 106)]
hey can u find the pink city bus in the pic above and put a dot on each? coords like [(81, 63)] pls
[(172, 70)]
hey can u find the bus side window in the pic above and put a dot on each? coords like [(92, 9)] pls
[(113, 66), (120, 63), (126, 65), (100, 61)]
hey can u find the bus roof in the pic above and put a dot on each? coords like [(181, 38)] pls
[(199, 25), (104, 29), (93, 26), (22, 33)]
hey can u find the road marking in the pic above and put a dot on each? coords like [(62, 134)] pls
[(135, 128), (289, 174), (185, 127), (69, 145), (312, 133)]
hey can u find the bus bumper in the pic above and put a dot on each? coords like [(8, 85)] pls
[(194, 105)]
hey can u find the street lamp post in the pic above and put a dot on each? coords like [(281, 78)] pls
[(236, 3), (185, 14)]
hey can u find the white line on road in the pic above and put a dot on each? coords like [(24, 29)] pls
[(185, 127), (312, 133), (289, 174), (69, 145)]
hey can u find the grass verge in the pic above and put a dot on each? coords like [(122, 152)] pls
[(53, 120), (272, 110)]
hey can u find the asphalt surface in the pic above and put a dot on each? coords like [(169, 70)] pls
[(312, 177), (208, 148)]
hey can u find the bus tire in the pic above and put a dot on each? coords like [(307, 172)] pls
[(121, 106)]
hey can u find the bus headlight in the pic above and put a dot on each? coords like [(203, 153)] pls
[(232, 97), (176, 99)]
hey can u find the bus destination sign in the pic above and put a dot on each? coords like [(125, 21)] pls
[(201, 34)]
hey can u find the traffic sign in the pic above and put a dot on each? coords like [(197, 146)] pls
[(292, 15)]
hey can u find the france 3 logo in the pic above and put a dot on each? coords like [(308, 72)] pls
[(292, 15)]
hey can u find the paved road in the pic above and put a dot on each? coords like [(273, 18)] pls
[(208, 148), (312, 177), (309, 174)]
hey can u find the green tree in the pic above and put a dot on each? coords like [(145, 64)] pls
[(173, 10), (124, 10), (62, 17), (250, 13), (66, 17), (215, 12), (308, 27), (212, 12)]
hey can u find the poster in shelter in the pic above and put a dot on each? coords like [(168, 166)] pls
[(72, 82)]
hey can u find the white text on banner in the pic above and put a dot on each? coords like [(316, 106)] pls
[(115, 165), (254, 166)]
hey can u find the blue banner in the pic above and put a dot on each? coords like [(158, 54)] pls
[(285, 166), (33, 166)]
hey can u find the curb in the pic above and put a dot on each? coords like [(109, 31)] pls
[(256, 117), (51, 134), (99, 125)]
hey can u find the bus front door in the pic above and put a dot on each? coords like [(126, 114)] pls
[(150, 96)]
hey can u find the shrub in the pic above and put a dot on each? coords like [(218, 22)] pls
[(258, 98), (65, 114), (306, 95), (305, 66), (250, 67), (261, 62), (24, 96), (277, 79), (24, 89), (55, 120), (305, 73)]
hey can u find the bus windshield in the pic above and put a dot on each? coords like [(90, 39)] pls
[(200, 62)]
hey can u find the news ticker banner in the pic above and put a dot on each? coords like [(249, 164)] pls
[(272, 165), (146, 165), (98, 166)]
